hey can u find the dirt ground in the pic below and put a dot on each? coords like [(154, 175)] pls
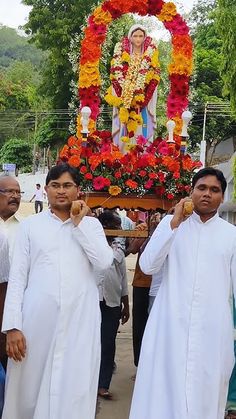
[(122, 381)]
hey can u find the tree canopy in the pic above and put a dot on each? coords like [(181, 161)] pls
[(52, 25), (226, 18), (207, 80)]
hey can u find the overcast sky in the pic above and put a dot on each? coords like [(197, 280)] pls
[(13, 13)]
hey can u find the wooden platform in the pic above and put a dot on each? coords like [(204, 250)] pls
[(127, 202)]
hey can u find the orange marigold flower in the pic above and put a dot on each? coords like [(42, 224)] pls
[(64, 153), (168, 12), (171, 164), (71, 141), (131, 184), (95, 160), (102, 16), (183, 45), (187, 163), (114, 190), (74, 161)]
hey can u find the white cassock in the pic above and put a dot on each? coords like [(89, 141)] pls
[(187, 352), (53, 298)]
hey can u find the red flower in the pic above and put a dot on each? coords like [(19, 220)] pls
[(83, 170), (99, 183), (88, 176), (170, 196), (148, 184), (177, 26), (107, 181), (160, 190), (117, 175), (131, 184), (142, 173), (153, 175), (154, 7)]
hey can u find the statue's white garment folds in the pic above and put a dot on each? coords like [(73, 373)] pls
[(187, 353), (53, 298)]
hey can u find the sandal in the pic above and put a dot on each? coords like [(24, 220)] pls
[(104, 393)]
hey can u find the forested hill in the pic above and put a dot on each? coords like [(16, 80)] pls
[(14, 47)]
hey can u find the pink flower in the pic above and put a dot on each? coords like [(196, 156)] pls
[(141, 140), (148, 184), (99, 183)]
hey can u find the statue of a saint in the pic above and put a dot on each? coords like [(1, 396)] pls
[(133, 94)]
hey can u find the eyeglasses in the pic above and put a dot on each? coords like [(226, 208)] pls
[(67, 185), (10, 192)]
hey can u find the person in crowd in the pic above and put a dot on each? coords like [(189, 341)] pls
[(231, 401), (187, 354), (141, 287), (51, 315), (4, 259), (4, 272), (10, 197), (39, 196), (114, 303)]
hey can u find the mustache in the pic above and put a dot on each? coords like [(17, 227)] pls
[(14, 201)]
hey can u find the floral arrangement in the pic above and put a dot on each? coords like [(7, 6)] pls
[(180, 67), (134, 79), (149, 167)]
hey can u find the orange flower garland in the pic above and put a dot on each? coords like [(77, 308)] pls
[(180, 67), (147, 167)]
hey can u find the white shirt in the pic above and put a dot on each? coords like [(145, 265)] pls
[(4, 259), (113, 281), (187, 352), (39, 194), (52, 297), (9, 228)]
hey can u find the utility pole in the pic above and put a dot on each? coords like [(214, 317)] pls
[(203, 142), (34, 148)]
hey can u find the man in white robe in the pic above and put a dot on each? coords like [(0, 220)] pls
[(4, 259), (187, 354), (52, 315)]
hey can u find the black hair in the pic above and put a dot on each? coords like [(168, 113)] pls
[(38, 184), (56, 171), (210, 171), (109, 219)]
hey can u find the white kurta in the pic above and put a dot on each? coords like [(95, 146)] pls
[(53, 298), (187, 352), (4, 258)]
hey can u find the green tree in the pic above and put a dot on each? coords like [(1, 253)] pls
[(17, 151), (207, 80), (52, 25), (226, 19)]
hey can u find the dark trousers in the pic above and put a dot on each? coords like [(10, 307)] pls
[(140, 316), (38, 205), (109, 328)]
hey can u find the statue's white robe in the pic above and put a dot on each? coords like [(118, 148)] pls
[(53, 298), (187, 353)]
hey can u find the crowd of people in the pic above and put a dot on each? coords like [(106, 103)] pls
[(64, 293)]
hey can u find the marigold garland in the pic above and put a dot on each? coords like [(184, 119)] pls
[(146, 167), (180, 67)]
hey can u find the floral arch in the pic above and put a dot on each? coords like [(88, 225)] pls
[(180, 68), (158, 167)]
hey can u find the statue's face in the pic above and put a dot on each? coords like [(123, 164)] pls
[(137, 38)]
